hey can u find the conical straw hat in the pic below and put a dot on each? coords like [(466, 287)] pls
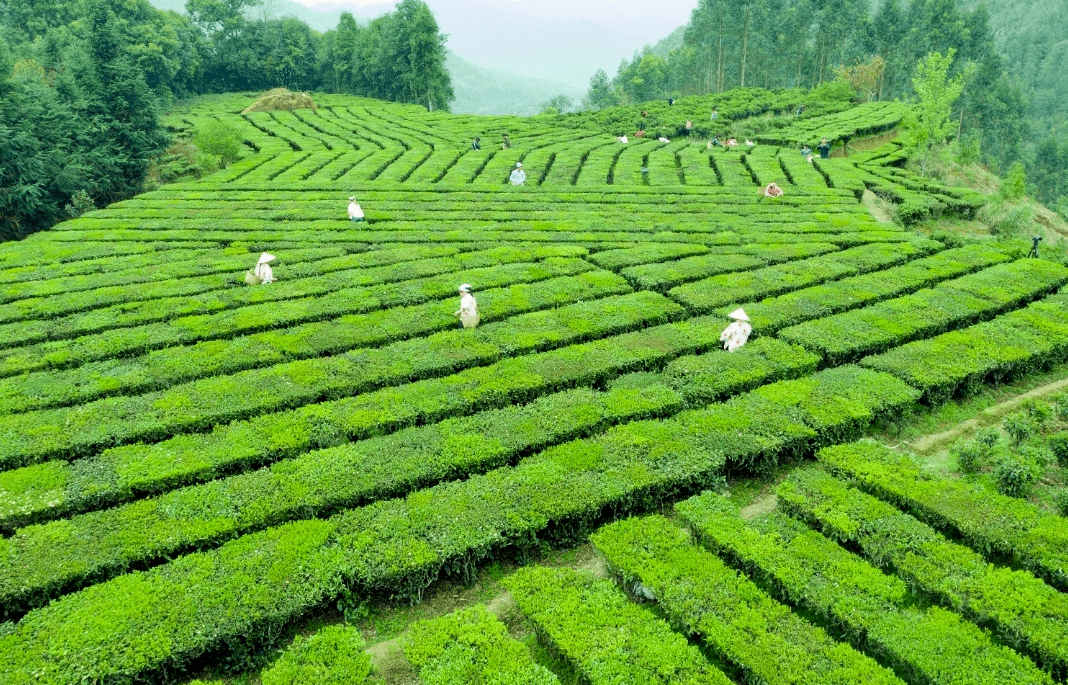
[(738, 314), (266, 257)]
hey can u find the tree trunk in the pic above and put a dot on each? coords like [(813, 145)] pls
[(719, 55), (960, 124), (745, 43)]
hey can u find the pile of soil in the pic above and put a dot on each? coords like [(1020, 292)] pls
[(278, 99)]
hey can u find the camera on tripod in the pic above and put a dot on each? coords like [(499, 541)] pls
[(1035, 240)]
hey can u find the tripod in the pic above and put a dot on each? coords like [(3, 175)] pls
[(1034, 247)]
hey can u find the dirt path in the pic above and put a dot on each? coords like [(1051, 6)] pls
[(875, 207), (390, 664), (388, 657), (761, 505), (931, 444)]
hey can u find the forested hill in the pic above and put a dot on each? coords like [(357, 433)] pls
[(481, 90), (1013, 53), (1032, 37), (82, 83)]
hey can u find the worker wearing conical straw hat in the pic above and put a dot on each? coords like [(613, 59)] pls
[(263, 268), (735, 335)]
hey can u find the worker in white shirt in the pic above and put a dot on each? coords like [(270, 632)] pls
[(736, 334), (518, 177), (468, 311), (261, 274), (355, 211)]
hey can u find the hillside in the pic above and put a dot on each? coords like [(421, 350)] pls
[(494, 91), (1033, 37), (205, 479)]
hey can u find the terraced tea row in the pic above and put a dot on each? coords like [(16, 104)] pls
[(188, 463)]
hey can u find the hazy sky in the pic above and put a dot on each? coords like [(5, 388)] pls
[(560, 40), (651, 20)]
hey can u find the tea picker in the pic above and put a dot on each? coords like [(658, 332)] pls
[(735, 335), (355, 211), (518, 177), (772, 190), (261, 273), (468, 311)]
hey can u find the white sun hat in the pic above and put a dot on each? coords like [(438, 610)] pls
[(266, 257), (465, 287), (519, 165), (738, 314)]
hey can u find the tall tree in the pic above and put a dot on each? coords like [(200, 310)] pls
[(41, 162), (936, 92), (423, 49), (225, 17), (600, 93), (125, 133), (346, 43)]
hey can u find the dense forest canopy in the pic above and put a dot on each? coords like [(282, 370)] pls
[(82, 83)]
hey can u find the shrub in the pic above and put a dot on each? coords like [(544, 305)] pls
[(1060, 405), (733, 617), (1058, 444), (959, 361), (1062, 501), (333, 656), (988, 436), (1016, 474), (207, 163), (607, 638), (970, 455), (1015, 184), (1040, 413), (948, 238), (219, 139), (808, 570), (80, 203), (1019, 426)]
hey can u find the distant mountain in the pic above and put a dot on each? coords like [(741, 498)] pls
[(673, 41), (494, 91)]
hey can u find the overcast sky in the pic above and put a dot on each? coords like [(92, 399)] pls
[(561, 40)]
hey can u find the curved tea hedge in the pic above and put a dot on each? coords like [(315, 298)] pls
[(189, 464)]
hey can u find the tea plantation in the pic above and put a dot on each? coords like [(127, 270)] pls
[(188, 464)]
